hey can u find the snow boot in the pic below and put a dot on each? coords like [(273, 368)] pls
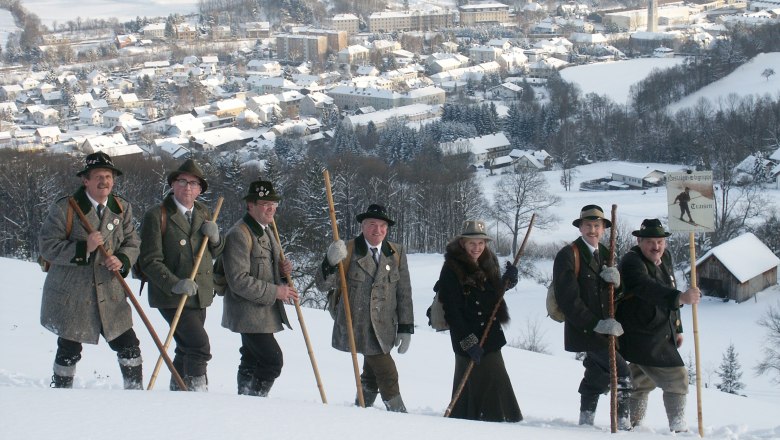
[(262, 387), (396, 404), (198, 384), (675, 411), (588, 404), (624, 404), (132, 373), (369, 397), (244, 380), (637, 408), (63, 376)]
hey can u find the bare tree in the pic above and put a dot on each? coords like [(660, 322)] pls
[(768, 72), (771, 362), (532, 338), (518, 196)]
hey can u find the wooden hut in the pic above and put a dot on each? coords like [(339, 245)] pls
[(737, 269)]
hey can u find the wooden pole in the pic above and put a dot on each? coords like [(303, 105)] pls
[(613, 410), (183, 299), (130, 296), (489, 325), (694, 311), (305, 332), (344, 293)]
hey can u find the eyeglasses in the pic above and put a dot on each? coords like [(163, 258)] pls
[(265, 204), (191, 183)]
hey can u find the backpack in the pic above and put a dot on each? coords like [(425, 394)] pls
[(220, 280), (136, 270), (334, 295), (44, 263), (435, 312), (553, 311)]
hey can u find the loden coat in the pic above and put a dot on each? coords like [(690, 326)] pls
[(251, 264), (468, 293), (649, 311), (583, 300), (81, 298), (167, 258), (380, 298)]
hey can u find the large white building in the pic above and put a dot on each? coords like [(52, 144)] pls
[(488, 12)]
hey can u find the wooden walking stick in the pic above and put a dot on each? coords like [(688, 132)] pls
[(183, 299), (305, 332), (130, 296), (694, 311), (344, 293), (613, 409), (489, 325)]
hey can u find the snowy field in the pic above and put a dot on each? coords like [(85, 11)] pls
[(545, 384), (7, 26), (621, 76), (62, 11)]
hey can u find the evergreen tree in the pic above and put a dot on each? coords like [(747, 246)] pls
[(730, 371)]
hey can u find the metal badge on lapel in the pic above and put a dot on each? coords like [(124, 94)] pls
[(116, 222), (387, 267), (183, 242), (110, 226)]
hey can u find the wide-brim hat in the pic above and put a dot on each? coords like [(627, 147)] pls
[(474, 229), (375, 211), (98, 160), (651, 228), (190, 167), (591, 212), (262, 190)]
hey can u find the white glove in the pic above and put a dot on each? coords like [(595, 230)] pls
[(185, 287), (402, 341), (609, 327), (337, 251), (210, 230), (610, 275)]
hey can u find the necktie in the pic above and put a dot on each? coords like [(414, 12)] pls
[(188, 214), (375, 254), (100, 210), (597, 257)]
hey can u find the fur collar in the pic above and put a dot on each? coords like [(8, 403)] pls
[(469, 273)]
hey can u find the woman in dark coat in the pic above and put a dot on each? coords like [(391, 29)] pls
[(469, 287)]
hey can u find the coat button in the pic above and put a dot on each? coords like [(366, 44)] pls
[(479, 313), (476, 302)]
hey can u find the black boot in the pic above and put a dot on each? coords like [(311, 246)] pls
[(244, 380), (131, 366), (588, 404), (369, 397), (197, 383), (263, 387), (63, 376), (623, 404), (396, 404)]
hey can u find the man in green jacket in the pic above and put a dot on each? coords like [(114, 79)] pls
[(171, 236)]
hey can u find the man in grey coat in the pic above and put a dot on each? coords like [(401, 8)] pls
[(380, 298), (81, 297), (171, 235), (256, 293)]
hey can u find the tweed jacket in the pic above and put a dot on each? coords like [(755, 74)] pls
[(468, 292), (81, 298), (167, 258), (583, 300), (252, 274), (650, 311), (380, 298)]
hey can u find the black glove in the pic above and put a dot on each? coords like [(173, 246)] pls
[(510, 276), (475, 352)]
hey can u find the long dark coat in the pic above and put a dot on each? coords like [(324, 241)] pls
[(468, 293), (583, 300), (649, 311), (168, 258), (252, 274), (380, 298), (81, 298)]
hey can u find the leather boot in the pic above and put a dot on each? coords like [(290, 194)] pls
[(637, 408), (198, 384), (244, 380), (63, 376), (132, 373), (396, 404), (262, 387), (675, 411), (588, 404)]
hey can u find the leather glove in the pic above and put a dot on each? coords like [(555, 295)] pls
[(210, 230), (475, 352), (185, 287), (337, 251), (510, 276), (402, 341), (610, 275), (608, 327)]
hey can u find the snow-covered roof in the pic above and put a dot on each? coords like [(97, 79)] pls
[(745, 257)]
